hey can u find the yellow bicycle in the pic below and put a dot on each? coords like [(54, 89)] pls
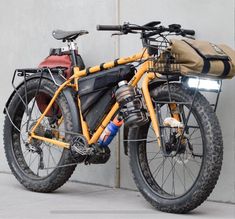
[(171, 133)]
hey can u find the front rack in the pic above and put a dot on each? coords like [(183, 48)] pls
[(164, 61), (166, 64)]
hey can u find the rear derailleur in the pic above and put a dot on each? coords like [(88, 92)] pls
[(35, 148), (89, 154)]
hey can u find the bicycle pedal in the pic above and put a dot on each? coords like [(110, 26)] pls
[(79, 145)]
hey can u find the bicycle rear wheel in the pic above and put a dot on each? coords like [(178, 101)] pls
[(37, 166)]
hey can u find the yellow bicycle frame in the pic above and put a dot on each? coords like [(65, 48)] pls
[(81, 73)]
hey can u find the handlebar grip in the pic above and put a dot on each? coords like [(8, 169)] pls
[(109, 27), (189, 32)]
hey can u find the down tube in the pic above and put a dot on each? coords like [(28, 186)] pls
[(114, 109), (103, 125)]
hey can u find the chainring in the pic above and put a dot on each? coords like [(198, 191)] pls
[(80, 148)]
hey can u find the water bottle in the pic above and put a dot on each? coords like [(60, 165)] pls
[(132, 108), (109, 132)]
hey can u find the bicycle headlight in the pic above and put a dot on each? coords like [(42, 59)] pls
[(203, 84)]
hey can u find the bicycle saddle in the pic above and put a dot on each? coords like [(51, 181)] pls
[(68, 35)]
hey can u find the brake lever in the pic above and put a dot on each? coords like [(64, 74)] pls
[(117, 34), (123, 33), (132, 31), (189, 37)]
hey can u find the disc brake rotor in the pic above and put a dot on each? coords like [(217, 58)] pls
[(183, 158), (181, 152)]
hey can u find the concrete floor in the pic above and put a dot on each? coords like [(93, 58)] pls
[(76, 200)]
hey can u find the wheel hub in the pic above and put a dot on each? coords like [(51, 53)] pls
[(173, 144), (182, 151)]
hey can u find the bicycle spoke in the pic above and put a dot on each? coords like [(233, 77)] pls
[(52, 156), (184, 177), (30, 159), (154, 157), (173, 179), (48, 162), (183, 183), (52, 146), (172, 175), (199, 137), (194, 131), (196, 162), (159, 167), (168, 175), (188, 170), (163, 174), (38, 165)]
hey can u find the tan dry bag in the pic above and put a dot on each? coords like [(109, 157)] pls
[(203, 58)]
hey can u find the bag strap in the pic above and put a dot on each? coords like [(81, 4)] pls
[(206, 65), (206, 61), (227, 68)]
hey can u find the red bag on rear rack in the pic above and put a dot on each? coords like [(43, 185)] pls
[(56, 59)]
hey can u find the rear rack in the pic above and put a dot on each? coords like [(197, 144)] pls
[(26, 72)]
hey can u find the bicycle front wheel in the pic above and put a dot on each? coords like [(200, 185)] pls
[(176, 177)]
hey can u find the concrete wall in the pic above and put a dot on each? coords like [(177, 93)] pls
[(25, 40)]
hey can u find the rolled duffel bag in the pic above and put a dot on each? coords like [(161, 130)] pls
[(203, 58)]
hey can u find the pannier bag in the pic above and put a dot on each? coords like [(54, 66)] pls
[(97, 92), (203, 58)]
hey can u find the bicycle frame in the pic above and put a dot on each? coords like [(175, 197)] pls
[(81, 73)]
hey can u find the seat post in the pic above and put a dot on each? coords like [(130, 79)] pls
[(73, 47)]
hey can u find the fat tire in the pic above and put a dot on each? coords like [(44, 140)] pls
[(211, 166), (11, 143)]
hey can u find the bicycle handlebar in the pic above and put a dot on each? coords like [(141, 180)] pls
[(126, 28), (123, 28), (188, 32), (109, 27)]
